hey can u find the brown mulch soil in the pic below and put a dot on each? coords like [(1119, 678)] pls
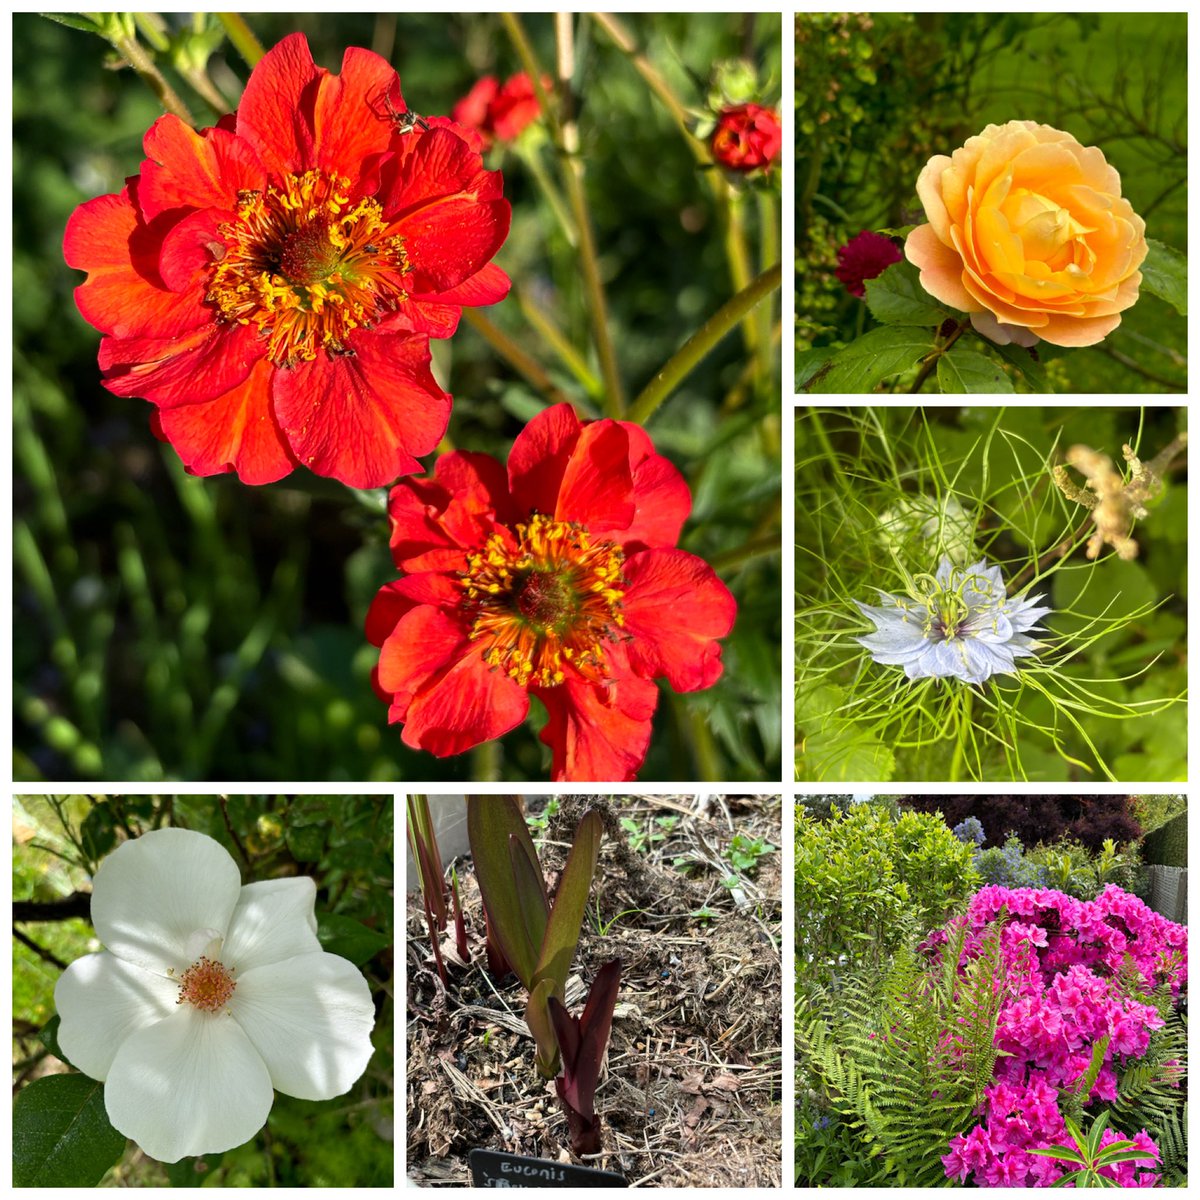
[(691, 1093)]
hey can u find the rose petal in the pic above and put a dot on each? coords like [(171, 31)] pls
[(310, 1019), (100, 1001), (197, 876), (190, 1084), (274, 920)]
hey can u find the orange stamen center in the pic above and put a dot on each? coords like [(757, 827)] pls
[(307, 265), (207, 985), (545, 600)]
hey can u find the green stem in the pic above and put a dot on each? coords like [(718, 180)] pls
[(931, 359), (760, 547), (516, 356), (532, 160), (738, 254), (565, 134), (203, 87), (242, 37), (131, 50), (554, 337), (485, 762), (689, 355)]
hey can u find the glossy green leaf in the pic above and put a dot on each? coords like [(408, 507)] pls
[(98, 833), (1164, 274), (349, 938), (62, 1136), (1023, 359), (896, 297), (48, 1036), (491, 822), (963, 371), (872, 358), (566, 917)]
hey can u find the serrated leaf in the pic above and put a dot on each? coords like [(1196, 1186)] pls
[(1164, 274), (870, 359), (809, 362), (1022, 358), (349, 938), (62, 1136), (896, 297), (964, 371)]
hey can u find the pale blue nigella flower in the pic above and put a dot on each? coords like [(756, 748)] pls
[(958, 623)]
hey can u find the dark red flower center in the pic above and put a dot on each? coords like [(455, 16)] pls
[(544, 599), (307, 265), (207, 985)]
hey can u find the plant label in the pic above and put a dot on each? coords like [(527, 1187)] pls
[(491, 1169)]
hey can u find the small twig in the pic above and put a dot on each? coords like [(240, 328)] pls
[(40, 951), (78, 904), (223, 801)]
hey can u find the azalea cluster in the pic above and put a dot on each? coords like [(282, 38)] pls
[(1062, 963)]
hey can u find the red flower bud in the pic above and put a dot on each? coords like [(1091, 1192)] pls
[(747, 138)]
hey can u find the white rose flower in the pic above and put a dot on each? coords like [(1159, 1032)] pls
[(208, 996)]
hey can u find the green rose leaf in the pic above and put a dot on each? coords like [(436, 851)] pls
[(1022, 358), (960, 371), (872, 358), (1164, 274), (349, 938), (897, 298), (62, 1136)]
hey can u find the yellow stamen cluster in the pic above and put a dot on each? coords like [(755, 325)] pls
[(307, 266), (207, 985), (545, 600)]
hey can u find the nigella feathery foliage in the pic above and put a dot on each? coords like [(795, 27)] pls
[(881, 497), (905, 1057)]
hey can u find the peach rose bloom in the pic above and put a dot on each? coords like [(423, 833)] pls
[(1029, 233)]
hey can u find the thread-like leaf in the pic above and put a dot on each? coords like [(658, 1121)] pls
[(566, 917)]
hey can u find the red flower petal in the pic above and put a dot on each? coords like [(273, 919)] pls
[(435, 521), (361, 417), (350, 120), (195, 366), (234, 432), (539, 458), (598, 733), (187, 169), (472, 109), (675, 606), (124, 295), (188, 251), (438, 315), (659, 491), (446, 207), (275, 111), (450, 699), (596, 488)]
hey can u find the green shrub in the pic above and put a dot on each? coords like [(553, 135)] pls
[(864, 881), (1168, 844), (1070, 867)]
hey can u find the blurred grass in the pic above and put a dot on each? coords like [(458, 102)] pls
[(931, 80), (176, 628)]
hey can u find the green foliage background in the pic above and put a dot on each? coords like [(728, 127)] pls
[(345, 844), (175, 628), (877, 95)]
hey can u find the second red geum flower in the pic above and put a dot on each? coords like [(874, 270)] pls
[(558, 579), (271, 283)]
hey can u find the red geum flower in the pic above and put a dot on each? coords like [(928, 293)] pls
[(863, 257), (747, 138), (500, 113), (560, 580), (271, 283)]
